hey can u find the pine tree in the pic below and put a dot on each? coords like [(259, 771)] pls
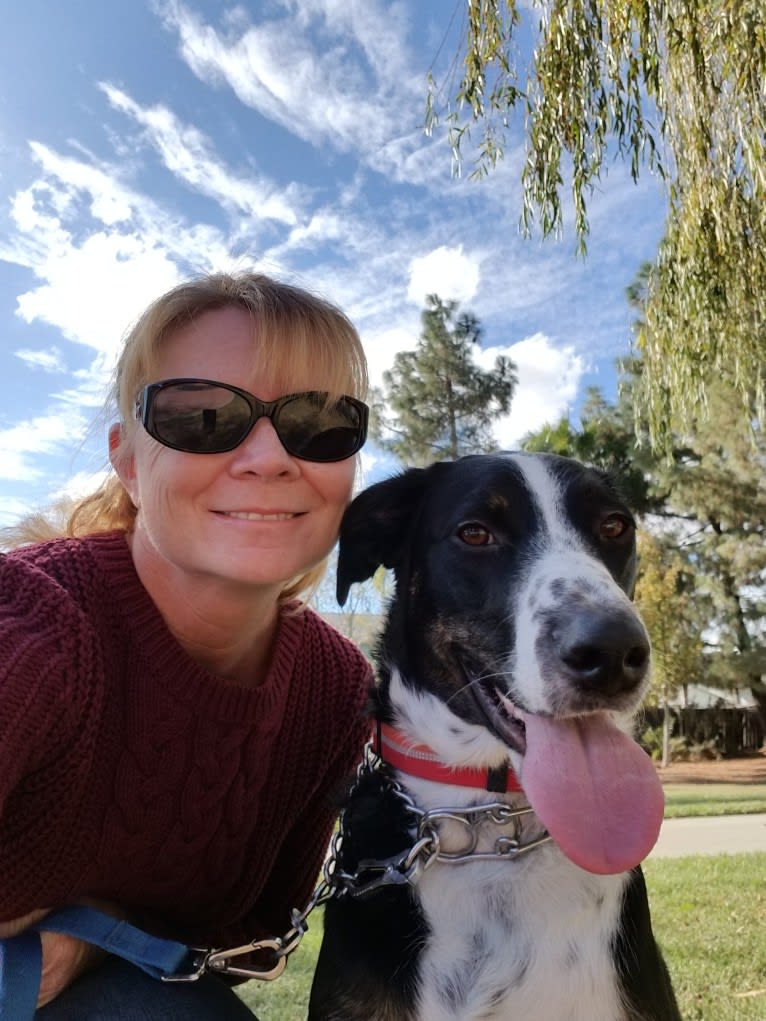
[(436, 402)]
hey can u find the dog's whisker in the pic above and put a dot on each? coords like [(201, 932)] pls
[(463, 688), (472, 682)]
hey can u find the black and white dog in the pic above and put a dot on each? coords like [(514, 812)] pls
[(511, 666)]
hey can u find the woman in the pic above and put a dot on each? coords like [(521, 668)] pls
[(175, 724)]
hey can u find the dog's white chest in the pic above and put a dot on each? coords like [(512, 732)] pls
[(531, 945)]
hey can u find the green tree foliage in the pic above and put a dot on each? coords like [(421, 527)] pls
[(605, 438), (664, 600), (674, 86), (664, 597), (720, 485), (436, 402)]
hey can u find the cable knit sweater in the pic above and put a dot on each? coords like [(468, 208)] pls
[(130, 773)]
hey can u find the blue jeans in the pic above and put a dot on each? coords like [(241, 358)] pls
[(118, 991)]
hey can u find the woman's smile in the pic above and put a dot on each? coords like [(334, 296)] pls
[(259, 515)]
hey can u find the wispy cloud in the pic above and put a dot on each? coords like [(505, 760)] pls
[(52, 433), (353, 94), (190, 155), (51, 360), (79, 485), (12, 509)]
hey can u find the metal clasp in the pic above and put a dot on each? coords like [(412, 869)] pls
[(198, 967), (218, 960)]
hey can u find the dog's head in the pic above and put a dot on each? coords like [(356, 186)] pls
[(513, 577), (511, 632)]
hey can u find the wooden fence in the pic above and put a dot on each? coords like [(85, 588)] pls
[(733, 731)]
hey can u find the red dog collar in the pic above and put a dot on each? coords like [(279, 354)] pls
[(420, 760)]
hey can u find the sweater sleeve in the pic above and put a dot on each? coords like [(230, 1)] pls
[(46, 661)]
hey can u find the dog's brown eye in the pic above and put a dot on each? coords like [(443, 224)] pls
[(614, 526), (475, 535)]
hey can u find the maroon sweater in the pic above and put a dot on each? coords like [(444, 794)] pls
[(130, 773)]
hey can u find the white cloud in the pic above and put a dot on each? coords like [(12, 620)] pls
[(548, 376), (95, 273), (12, 509), (95, 277), (382, 345), (369, 463), (110, 201), (52, 433), (98, 288), (79, 485), (377, 30), (548, 382), (445, 271), (51, 360)]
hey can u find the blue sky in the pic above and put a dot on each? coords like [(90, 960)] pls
[(141, 142)]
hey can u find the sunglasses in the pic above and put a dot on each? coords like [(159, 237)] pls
[(201, 416)]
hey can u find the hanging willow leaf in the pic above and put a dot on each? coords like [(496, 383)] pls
[(675, 87)]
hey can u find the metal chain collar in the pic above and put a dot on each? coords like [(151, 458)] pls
[(426, 849), (406, 867)]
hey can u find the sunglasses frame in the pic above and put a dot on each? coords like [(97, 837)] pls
[(258, 409)]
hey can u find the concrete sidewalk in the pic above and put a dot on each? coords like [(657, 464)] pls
[(723, 834)]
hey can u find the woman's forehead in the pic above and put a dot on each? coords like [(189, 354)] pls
[(231, 346)]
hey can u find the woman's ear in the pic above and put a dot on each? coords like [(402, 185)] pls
[(115, 437), (122, 459)]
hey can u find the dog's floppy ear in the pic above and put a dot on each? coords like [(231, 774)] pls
[(375, 525)]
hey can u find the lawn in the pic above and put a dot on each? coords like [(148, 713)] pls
[(709, 917), (684, 799), (287, 998)]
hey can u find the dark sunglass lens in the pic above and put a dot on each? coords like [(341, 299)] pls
[(199, 417), (314, 429)]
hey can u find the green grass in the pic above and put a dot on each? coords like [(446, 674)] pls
[(684, 799), (287, 998), (709, 916)]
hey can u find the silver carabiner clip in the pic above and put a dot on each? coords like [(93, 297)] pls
[(218, 960)]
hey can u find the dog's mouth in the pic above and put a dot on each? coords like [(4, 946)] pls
[(500, 715), (594, 789)]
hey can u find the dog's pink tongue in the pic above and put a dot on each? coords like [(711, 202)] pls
[(595, 790)]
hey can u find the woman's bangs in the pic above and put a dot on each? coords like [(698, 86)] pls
[(298, 353)]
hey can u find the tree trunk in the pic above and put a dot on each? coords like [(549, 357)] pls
[(665, 733), (453, 443), (758, 688)]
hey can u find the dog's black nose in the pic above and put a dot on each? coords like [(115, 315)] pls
[(605, 651)]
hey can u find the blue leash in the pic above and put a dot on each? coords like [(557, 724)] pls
[(21, 956)]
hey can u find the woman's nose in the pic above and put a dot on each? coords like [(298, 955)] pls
[(262, 453)]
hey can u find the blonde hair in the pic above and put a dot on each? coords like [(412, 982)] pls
[(296, 328)]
